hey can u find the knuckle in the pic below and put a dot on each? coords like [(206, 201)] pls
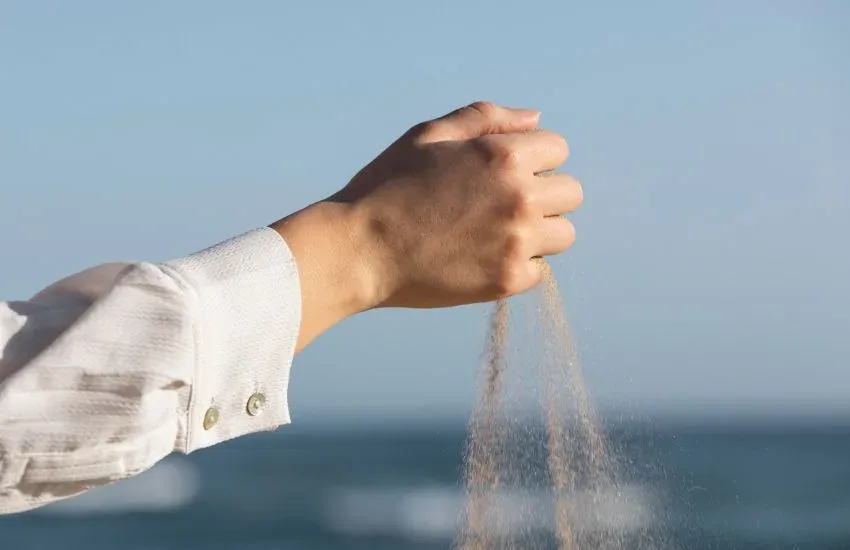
[(515, 243), (536, 276), (498, 152), (484, 108), (520, 203), (510, 275), (561, 145), (563, 236), (425, 130), (510, 159), (556, 144), (510, 280)]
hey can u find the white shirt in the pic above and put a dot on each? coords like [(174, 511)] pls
[(108, 371)]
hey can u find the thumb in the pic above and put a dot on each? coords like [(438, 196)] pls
[(479, 119)]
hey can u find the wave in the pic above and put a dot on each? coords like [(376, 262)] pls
[(170, 485), (432, 512)]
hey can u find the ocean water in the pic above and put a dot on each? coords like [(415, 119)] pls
[(724, 485)]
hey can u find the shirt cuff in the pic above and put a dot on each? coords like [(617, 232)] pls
[(247, 313)]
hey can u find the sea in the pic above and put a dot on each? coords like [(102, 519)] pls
[(708, 485)]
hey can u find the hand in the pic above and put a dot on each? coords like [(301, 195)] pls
[(457, 211), (454, 212)]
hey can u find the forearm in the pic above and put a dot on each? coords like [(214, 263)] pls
[(99, 381)]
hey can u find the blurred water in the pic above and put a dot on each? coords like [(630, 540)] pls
[(709, 486)]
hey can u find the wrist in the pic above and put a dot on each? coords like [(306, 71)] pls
[(336, 264)]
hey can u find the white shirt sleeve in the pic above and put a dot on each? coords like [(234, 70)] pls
[(107, 372)]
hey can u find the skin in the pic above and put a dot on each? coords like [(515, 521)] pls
[(459, 210)]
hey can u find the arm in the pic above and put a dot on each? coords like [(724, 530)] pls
[(107, 372)]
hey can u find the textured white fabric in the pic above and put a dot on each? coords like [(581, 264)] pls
[(107, 372)]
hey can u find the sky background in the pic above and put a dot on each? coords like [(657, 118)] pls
[(712, 269)]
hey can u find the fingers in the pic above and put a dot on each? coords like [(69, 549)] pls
[(505, 132), (558, 234), (557, 194), (478, 119), (537, 151), (523, 277)]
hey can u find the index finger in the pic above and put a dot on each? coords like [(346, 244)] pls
[(540, 150)]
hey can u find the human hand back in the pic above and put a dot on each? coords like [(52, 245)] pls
[(457, 211), (459, 208)]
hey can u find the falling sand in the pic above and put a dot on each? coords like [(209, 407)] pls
[(550, 483)]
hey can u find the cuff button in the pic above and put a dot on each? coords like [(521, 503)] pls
[(256, 404), (211, 418)]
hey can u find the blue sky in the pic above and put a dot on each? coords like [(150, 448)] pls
[(712, 268)]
